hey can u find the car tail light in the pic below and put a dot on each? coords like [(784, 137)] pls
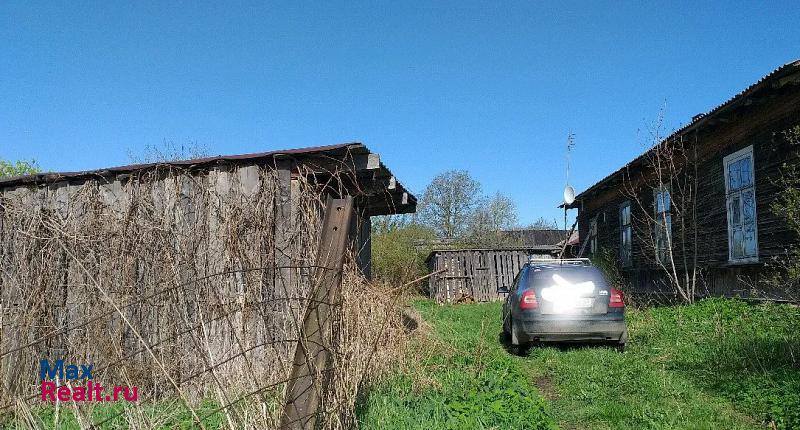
[(528, 300), (617, 299)]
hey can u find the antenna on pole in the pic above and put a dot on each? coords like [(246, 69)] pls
[(569, 192)]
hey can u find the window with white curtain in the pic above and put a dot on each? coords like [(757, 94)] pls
[(626, 233), (741, 206)]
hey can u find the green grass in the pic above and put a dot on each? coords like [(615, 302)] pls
[(161, 415), (465, 381), (717, 364)]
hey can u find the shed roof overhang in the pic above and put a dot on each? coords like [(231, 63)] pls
[(372, 184)]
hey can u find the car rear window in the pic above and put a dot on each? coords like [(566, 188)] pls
[(544, 277)]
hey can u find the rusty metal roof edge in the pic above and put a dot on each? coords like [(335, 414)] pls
[(50, 176), (696, 121), (352, 148)]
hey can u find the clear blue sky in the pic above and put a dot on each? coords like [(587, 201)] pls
[(493, 89)]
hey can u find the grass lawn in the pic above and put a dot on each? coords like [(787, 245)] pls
[(717, 364), (162, 415)]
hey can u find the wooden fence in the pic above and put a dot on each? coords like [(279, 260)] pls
[(477, 272)]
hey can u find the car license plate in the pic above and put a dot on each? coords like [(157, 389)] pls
[(584, 302)]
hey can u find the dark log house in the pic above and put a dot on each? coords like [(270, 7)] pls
[(728, 162)]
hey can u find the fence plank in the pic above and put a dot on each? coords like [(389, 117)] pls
[(478, 272)]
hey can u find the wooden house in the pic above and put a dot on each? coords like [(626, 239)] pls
[(728, 160)]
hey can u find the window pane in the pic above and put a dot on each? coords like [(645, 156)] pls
[(737, 242), (659, 203), (625, 252), (667, 202), (749, 242), (748, 208), (746, 175), (734, 211), (734, 176)]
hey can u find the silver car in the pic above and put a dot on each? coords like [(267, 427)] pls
[(563, 301)]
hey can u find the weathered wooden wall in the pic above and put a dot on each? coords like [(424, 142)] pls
[(238, 240), (476, 273)]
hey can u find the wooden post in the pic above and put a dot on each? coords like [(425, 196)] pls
[(312, 356)]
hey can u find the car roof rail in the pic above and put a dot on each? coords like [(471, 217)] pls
[(560, 261)]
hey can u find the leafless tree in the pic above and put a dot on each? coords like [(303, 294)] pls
[(168, 150), (449, 202), (491, 218), (663, 197), (543, 223)]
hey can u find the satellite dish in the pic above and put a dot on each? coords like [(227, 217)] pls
[(569, 194)]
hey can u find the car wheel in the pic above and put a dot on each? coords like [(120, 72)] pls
[(622, 341), (516, 347)]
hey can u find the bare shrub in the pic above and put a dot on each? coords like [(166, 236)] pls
[(665, 218)]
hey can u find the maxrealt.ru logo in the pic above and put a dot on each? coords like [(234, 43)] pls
[(75, 382)]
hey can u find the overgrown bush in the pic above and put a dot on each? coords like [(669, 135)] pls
[(17, 168), (399, 248), (608, 263)]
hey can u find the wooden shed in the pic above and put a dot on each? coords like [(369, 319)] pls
[(219, 248), (477, 273)]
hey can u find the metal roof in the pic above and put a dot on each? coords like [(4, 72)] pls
[(196, 162), (767, 81)]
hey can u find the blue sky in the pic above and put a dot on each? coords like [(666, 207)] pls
[(491, 88)]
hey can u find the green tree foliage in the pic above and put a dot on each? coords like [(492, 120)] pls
[(8, 168), (399, 248)]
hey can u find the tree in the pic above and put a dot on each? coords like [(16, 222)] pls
[(448, 203), (399, 248), (543, 224), (786, 275), (18, 168), (664, 218), (490, 219), (168, 150)]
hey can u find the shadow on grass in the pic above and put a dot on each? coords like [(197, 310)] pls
[(523, 351)]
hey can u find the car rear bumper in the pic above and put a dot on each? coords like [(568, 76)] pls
[(558, 330)]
